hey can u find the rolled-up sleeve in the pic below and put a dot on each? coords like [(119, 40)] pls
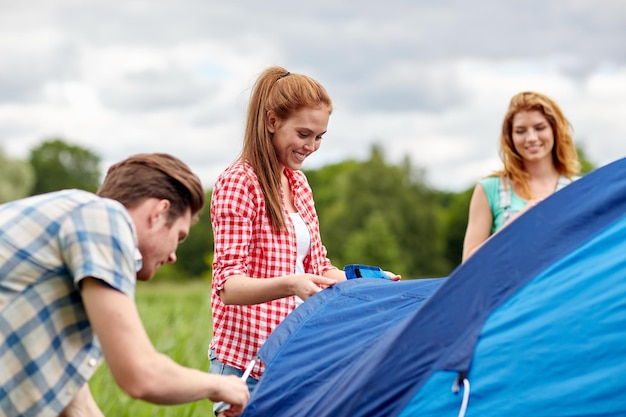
[(232, 216)]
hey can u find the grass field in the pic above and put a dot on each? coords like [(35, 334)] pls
[(177, 317)]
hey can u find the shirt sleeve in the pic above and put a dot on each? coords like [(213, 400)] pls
[(232, 216), (98, 240)]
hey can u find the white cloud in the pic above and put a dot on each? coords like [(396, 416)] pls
[(427, 80)]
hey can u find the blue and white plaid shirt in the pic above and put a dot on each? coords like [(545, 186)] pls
[(48, 244)]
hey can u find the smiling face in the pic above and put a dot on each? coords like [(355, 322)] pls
[(159, 240), (532, 135), (298, 136)]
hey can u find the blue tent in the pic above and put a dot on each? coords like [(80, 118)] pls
[(534, 324)]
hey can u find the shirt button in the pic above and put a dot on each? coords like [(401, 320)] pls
[(92, 362)]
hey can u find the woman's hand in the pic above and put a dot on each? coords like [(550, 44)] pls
[(306, 285), (393, 276)]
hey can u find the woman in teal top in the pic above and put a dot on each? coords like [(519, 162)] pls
[(539, 158)]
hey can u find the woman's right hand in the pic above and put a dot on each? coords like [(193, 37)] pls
[(306, 285)]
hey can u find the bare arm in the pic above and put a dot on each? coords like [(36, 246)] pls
[(138, 368), (242, 290), (479, 222)]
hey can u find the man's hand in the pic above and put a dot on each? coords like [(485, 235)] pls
[(234, 391)]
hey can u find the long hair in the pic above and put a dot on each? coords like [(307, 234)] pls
[(284, 93), (564, 156), (155, 175)]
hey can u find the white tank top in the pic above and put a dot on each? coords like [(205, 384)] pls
[(303, 245)]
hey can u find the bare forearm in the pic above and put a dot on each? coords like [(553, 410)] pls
[(163, 381), (243, 290), (137, 367)]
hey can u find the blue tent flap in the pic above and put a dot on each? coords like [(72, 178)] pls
[(367, 309)]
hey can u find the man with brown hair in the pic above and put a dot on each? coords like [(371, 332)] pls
[(69, 261)]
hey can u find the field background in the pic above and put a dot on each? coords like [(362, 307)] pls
[(177, 317)]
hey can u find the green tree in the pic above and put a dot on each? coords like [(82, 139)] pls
[(454, 209), (361, 203), (376, 243), (16, 178), (370, 212), (59, 165), (586, 166)]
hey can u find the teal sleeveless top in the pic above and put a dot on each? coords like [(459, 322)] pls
[(503, 201)]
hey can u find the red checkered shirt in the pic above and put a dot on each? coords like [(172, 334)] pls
[(246, 244)]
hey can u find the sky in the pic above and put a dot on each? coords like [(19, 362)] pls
[(427, 80)]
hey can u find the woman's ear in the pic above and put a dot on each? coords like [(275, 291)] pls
[(271, 120)]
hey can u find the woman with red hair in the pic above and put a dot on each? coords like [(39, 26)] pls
[(539, 158)]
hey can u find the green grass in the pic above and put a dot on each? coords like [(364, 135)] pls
[(177, 317)]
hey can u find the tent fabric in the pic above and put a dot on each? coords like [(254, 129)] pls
[(566, 334), (536, 319), (366, 308)]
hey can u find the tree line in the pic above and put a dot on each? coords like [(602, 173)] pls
[(371, 212)]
